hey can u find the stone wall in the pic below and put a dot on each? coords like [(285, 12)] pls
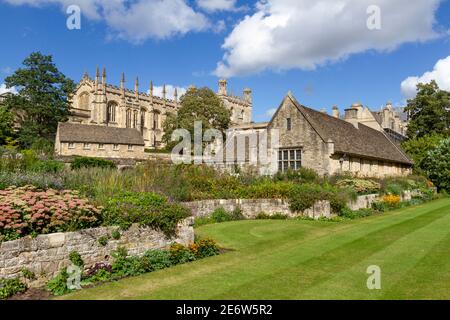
[(252, 207), (47, 254)]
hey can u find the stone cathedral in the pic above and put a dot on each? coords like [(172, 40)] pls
[(97, 103)]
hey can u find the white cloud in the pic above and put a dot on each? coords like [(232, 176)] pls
[(3, 89), (440, 73), (137, 20), (170, 91), (216, 5), (304, 34), (269, 113)]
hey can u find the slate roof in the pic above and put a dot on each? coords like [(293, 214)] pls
[(75, 132), (361, 141)]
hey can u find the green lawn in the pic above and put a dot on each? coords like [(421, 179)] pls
[(309, 260)]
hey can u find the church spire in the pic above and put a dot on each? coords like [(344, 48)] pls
[(122, 81), (136, 88)]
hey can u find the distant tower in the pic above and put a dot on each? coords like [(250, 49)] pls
[(248, 95), (222, 87)]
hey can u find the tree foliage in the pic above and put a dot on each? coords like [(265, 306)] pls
[(429, 111), (6, 125), (437, 165), (419, 147), (197, 105), (42, 99)]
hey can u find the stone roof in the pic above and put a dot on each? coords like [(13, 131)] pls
[(84, 133), (361, 141)]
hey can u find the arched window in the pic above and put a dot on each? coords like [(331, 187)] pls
[(142, 120), (135, 119), (111, 112), (128, 119), (83, 101), (155, 120)]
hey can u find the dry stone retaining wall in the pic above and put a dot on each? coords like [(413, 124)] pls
[(46, 254), (252, 207)]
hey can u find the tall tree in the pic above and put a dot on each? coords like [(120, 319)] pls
[(6, 124), (197, 105), (42, 99), (429, 111)]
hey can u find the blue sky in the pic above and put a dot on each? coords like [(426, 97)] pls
[(320, 50)]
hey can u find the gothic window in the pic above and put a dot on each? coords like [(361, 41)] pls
[(83, 101), (111, 112), (128, 118), (142, 121), (135, 119), (155, 121)]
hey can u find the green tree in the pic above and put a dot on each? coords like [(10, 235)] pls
[(429, 111), (42, 99), (418, 149), (197, 105), (437, 165), (6, 125)]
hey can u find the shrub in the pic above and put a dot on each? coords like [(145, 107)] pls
[(276, 216), (24, 178), (28, 210), (302, 175), (391, 200), (351, 214), (103, 241), (87, 162), (437, 165), (144, 208), (11, 287), (380, 206), (125, 265), (115, 235), (27, 274), (361, 186), (206, 247), (99, 272), (221, 215), (58, 285), (158, 259), (47, 166), (76, 259), (305, 196), (180, 254)]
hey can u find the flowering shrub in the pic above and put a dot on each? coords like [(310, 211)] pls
[(28, 210), (361, 186), (391, 200)]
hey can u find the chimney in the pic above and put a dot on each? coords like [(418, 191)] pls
[(323, 110), (335, 112), (351, 114), (222, 87)]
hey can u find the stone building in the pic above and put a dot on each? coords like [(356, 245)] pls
[(388, 119), (74, 139), (324, 143), (97, 103)]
